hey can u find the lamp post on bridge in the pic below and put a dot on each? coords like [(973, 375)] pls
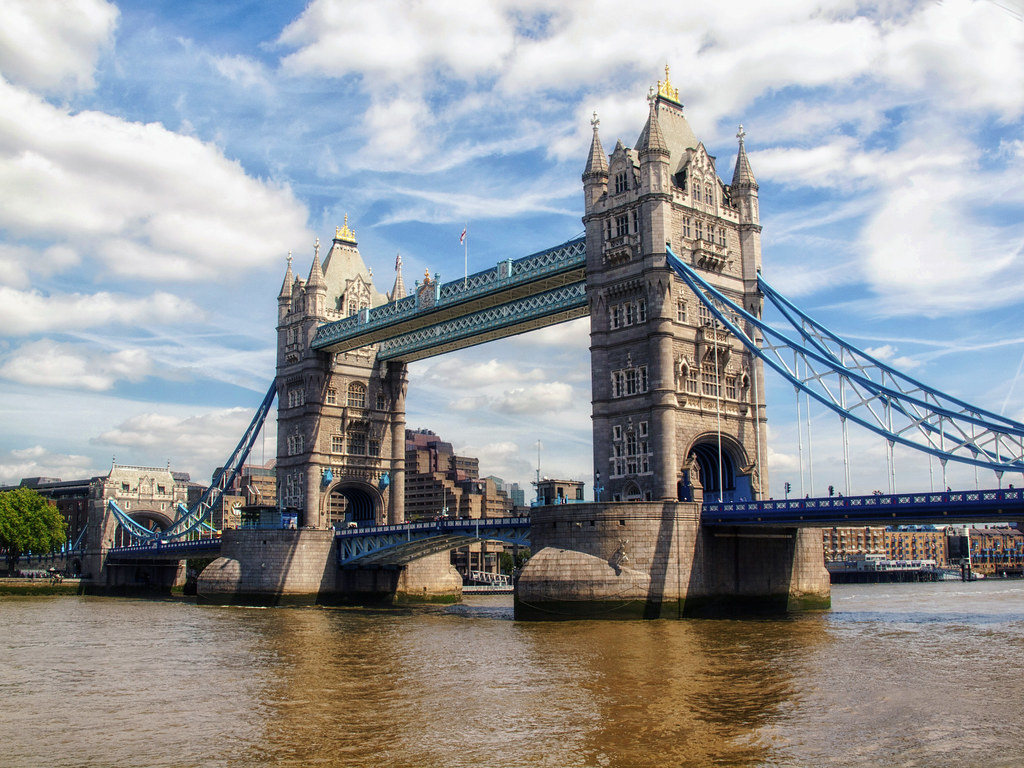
[(597, 485)]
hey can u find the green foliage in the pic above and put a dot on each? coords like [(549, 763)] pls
[(29, 523), (505, 563)]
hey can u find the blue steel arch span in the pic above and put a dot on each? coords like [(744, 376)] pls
[(861, 388)]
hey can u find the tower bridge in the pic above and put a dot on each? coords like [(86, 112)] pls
[(669, 273)]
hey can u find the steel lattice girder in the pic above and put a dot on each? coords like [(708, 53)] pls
[(897, 407), (400, 544), (508, 282), (509, 319)]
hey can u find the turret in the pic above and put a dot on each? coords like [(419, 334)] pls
[(316, 286), (398, 290), (595, 175), (284, 298), (744, 197)]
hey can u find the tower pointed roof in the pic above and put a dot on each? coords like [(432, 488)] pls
[(398, 290), (597, 163), (316, 274), (743, 175), (289, 278), (652, 139)]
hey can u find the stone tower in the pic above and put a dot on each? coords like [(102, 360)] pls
[(678, 404), (341, 417)]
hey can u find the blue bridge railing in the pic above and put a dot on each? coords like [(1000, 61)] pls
[(876, 509)]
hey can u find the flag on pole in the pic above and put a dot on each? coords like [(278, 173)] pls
[(462, 237)]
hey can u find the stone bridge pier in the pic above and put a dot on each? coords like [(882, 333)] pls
[(655, 560)]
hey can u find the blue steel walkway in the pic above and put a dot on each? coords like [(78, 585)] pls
[(392, 545), (898, 509)]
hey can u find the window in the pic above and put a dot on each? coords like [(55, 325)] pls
[(699, 226), (616, 316), (730, 387), (296, 397), (641, 311), (691, 380), (294, 445), (293, 489), (356, 395), (332, 397), (705, 314), (621, 182), (337, 444), (630, 314), (381, 403), (708, 197), (629, 381), (621, 225), (293, 335), (721, 235), (357, 442), (631, 455), (709, 380), (374, 447), (636, 220), (607, 229), (696, 192), (686, 228), (681, 311)]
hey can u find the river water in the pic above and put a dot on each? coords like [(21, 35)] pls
[(900, 674)]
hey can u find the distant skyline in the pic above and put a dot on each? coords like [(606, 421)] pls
[(159, 161)]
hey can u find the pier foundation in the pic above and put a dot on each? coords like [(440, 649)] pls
[(655, 560), (271, 567)]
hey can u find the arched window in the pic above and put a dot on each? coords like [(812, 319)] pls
[(356, 395)]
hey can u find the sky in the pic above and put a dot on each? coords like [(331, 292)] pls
[(160, 159)]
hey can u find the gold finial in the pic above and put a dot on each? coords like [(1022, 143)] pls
[(344, 233), (665, 90)]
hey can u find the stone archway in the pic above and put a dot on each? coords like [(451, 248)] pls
[(353, 501), (721, 479)]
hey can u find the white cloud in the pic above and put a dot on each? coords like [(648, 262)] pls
[(37, 461), (453, 372), (53, 45), (205, 439), (887, 354), (536, 399), (151, 204), (46, 363), (27, 312)]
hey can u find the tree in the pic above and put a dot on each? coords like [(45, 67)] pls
[(29, 523)]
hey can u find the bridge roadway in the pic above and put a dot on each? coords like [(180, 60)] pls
[(392, 545)]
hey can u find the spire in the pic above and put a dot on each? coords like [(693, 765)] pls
[(597, 163), (398, 291), (743, 176), (316, 274), (652, 139), (289, 278)]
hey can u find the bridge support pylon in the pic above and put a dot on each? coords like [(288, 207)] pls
[(632, 560), (300, 567)]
